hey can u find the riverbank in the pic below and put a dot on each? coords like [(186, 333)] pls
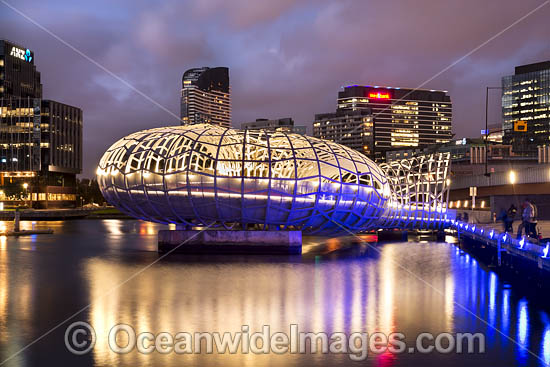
[(65, 214)]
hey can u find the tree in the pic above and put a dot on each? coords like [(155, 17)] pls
[(89, 191), (13, 191)]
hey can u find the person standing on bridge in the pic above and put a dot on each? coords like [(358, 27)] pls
[(511, 215), (533, 224), (527, 218)]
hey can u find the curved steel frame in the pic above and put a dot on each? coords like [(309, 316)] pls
[(201, 175)]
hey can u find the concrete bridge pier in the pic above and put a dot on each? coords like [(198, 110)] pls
[(230, 241)]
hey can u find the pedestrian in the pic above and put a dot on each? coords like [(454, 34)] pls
[(526, 218), (503, 216), (511, 215), (533, 223)]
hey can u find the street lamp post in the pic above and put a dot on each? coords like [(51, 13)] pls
[(487, 126)]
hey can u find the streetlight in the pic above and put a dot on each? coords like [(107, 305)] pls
[(487, 125), (512, 178)]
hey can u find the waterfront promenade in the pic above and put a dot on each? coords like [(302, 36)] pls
[(542, 225)]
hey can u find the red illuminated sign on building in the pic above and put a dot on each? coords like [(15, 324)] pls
[(379, 95)]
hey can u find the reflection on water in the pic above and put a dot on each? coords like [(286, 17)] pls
[(546, 345), (45, 279), (523, 329)]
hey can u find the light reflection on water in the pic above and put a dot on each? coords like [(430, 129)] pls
[(331, 288), (545, 345), (523, 329)]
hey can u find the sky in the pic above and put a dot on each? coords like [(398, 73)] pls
[(287, 58)]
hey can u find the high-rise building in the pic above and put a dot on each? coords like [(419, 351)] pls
[(206, 96), (526, 108), (18, 75), (40, 140), (401, 117), (353, 129), (285, 124)]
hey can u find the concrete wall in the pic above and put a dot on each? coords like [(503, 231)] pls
[(526, 175), (475, 216)]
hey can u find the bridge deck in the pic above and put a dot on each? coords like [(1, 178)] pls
[(493, 235)]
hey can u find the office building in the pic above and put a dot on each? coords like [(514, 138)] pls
[(206, 97), (285, 124), (354, 129), (40, 140), (401, 118), (526, 108), (18, 75)]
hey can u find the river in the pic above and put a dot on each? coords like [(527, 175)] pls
[(106, 272)]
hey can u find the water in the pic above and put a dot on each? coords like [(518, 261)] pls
[(409, 287)]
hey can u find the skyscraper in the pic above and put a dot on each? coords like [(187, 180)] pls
[(354, 129), (206, 96), (526, 108), (40, 140), (18, 75), (400, 118)]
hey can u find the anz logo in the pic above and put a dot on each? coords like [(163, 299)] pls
[(24, 55)]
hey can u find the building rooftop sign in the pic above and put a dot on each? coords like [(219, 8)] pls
[(379, 95), (19, 53)]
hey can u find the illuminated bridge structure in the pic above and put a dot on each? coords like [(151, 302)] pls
[(210, 176)]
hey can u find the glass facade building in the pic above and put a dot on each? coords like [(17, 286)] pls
[(206, 96), (354, 129), (526, 108), (401, 118), (40, 140), (18, 74)]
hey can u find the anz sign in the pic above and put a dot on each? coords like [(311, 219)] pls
[(19, 53)]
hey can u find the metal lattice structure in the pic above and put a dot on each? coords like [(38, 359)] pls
[(205, 175), (420, 191)]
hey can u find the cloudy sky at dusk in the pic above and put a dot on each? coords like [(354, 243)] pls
[(286, 57)]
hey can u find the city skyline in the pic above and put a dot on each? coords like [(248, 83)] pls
[(277, 54)]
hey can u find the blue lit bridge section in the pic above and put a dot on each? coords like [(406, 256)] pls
[(206, 175)]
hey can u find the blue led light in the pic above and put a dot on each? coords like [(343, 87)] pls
[(504, 238), (474, 229), (546, 249), (491, 234), (522, 243), (481, 231)]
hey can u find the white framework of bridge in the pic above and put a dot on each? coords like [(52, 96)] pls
[(205, 175)]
